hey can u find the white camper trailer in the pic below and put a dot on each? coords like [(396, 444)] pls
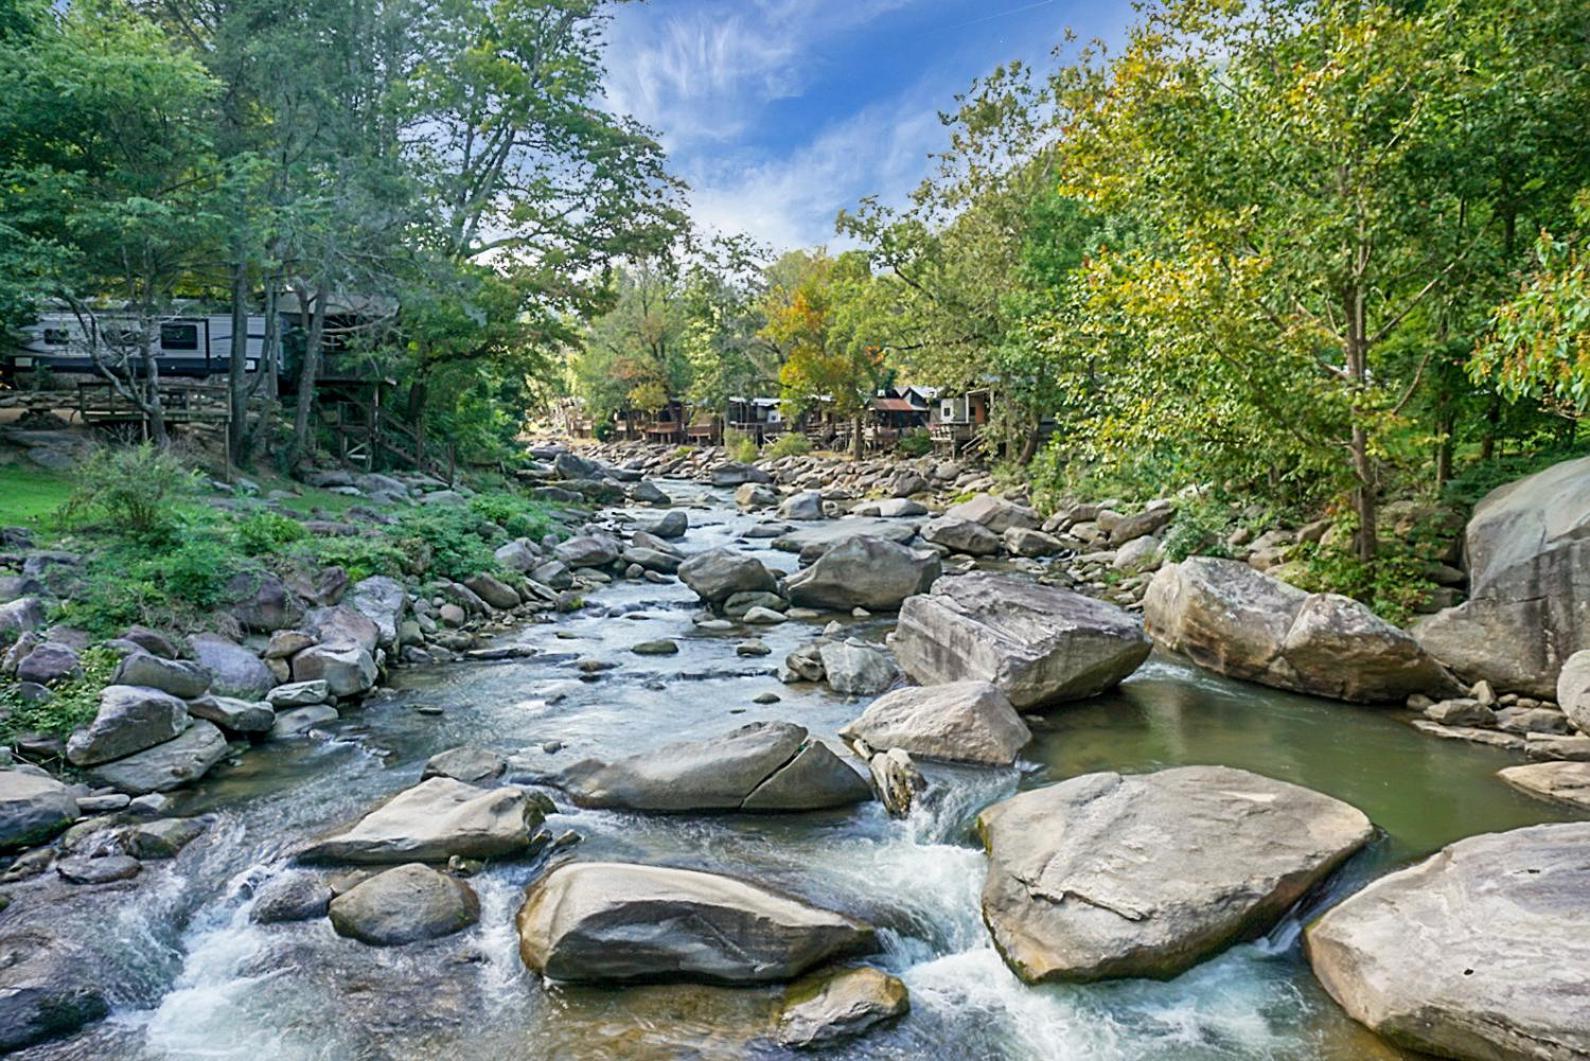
[(196, 345)]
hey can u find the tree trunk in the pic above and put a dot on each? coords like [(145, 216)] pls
[(303, 441), (1367, 485), (237, 360), (154, 414), (855, 438), (1446, 424), (1493, 421)]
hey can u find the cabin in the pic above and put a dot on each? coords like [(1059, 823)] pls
[(957, 420), (759, 418)]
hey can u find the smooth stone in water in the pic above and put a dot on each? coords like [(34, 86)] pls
[(1479, 951), (968, 722), (1146, 875), (293, 895), (404, 904), (617, 922), (300, 720), (1561, 782), (468, 763), (826, 1008), (433, 821), (46, 989), (98, 870), (856, 670), (864, 572), (33, 809), (235, 716)]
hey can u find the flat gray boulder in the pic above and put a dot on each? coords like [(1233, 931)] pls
[(815, 539), (1230, 618), (433, 821), (995, 513), (762, 767), (179, 761), (856, 669), (806, 505), (1479, 951), (346, 667), (382, 600), (1041, 645), (966, 722), (718, 574), (618, 922), (961, 536), (866, 573), (234, 716), (1145, 875), (404, 904), (828, 1008), (234, 670), (130, 719), (1567, 783), (1573, 690), (33, 809), (468, 763), (179, 677), (1528, 552), (587, 550)]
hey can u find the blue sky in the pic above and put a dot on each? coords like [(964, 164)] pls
[(780, 112)]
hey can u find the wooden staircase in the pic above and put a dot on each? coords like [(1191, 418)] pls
[(367, 437)]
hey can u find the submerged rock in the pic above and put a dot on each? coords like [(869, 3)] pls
[(294, 895), (969, 722), (1230, 618), (765, 766), (433, 821), (826, 1008), (1479, 951), (404, 904), (864, 572), (613, 921), (1108, 875), (1040, 645)]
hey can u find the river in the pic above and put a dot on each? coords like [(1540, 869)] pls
[(199, 980)]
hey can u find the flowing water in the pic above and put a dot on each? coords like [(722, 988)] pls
[(196, 979)]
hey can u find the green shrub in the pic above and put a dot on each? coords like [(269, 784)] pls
[(71, 704), (195, 572), (604, 431), (444, 541), (1201, 527), (789, 444), (1393, 586), (740, 446), (914, 444), (521, 517), (360, 556), (264, 533), (133, 490)]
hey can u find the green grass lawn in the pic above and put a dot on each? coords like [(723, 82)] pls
[(29, 496)]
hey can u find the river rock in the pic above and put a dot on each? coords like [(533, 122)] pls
[(469, 763), (346, 668), (160, 838), (343, 624), (662, 646), (130, 719), (670, 525), (866, 573), (1573, 690), (234, 670), (995, 513), (806, 505), (234, 716), (299, 694), (555, 574), (20, 616), (1230, 618), (1477, 952), (293, 895), (718, 574), (104, 870), (617, 922), (1145, 875), (733, 473), (1025, 541), (494, 591), (48, 664), (856, 669), (1150, 521), (1041, 645), (1561, 782), (382, 600), (587, 550), (46, 988), (33, 809), (961, 536), (755, 495), (1528, 552), (652, 559), (765, 766), (177, 762), (404, 904), (647, 492), (261, 601), (826, 1008), (179, 677), (517, 556), (433, 821), (968, 722)]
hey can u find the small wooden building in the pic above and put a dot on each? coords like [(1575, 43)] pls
[(958, 419), (759, 418)]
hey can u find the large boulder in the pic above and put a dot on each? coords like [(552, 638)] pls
[(734, 473), (130, 719), (234, 716), (382, 600), (961, 536), (179, 761), (866, 573), (968, 722), (1567, 783), (261, 601), (343, 624), (47, 988), (1573, 690), (32, 809), (346, 668), (718, 574), (856, 669), (1479, 951), (234, 670), (1041, 645), (294, 895), (404, 904), (179, 677), (670, 525), (612, 921), (494, 591), (20, 616), (433, 821), (1228, 617), (762, 767), (806, 505), (995, 513), (1107, 875), (1528, 552)]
